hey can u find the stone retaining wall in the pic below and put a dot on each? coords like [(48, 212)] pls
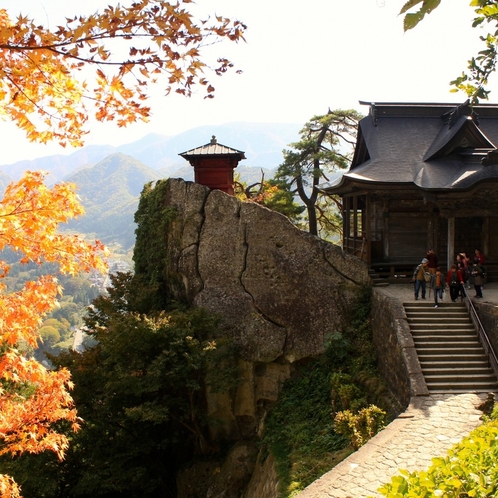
[(398, 360)]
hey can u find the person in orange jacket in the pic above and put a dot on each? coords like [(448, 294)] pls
[(438, 284)]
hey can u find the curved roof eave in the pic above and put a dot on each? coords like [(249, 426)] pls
[(431, 177)]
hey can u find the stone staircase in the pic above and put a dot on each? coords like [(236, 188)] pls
[(450, 354)]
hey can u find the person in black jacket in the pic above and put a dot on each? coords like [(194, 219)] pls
[(477, 274), (454, 280)]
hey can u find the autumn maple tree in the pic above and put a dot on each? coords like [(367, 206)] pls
[(123, 49), (33, 398), (51, 81)]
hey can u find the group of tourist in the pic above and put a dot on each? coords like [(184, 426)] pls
[(462, 273)]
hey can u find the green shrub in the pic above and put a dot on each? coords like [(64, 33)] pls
[(360, 427), (470, 469)]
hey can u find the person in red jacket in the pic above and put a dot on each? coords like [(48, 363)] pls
[(454, 280), (479, 255)]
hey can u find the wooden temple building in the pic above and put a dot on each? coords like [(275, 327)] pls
[(214, 165), (423, 176)]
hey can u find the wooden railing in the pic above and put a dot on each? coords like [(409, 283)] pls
[(394, 272)]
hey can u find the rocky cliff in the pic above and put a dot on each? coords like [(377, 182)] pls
[(279, 291)]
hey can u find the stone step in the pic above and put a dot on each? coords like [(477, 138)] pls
[(441, 310), (464, 357), (457, 371), (455, 364), (461, 389), (438, 328), (444, 339), (421, 303), (450, 354), (487, 381), (449, 332), (429, 320), (474, 346), (462, 341), (428, 307), (437, 314), (443, 333), (465, 387), (431, 368), (428, 352)]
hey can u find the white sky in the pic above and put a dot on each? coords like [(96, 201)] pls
[(301, 57)]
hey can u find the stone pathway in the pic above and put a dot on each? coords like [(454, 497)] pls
[(428, 428)]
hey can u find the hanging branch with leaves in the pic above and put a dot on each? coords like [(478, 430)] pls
[(43, 89), (474, 81)]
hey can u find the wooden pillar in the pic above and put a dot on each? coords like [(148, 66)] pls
[(451, 242), (386, 230), (437, 227), (355, 223), (346, 204), (368, 227), (430, 232), (485, 236)]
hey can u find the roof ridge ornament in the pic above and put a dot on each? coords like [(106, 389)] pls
[(465, 109), (373, 113), (213, 140), (490, 158)]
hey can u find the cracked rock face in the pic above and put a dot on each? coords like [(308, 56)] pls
[(280, 291)]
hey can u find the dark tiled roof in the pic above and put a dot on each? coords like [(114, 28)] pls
[(429, 146), (213, 148)]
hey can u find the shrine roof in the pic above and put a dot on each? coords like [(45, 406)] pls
[(423, 145), (213, 148)]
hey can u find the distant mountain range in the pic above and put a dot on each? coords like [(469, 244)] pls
[(262, 143), (110, 179)]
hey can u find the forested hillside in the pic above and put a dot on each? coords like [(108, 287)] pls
[(109, 191)]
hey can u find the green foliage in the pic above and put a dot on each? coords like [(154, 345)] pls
[(110, 192), (283, 201), (68, 311), (299, 430), (360, 427), (78, 293), (49, 335), (470, 469), (474, 82), (325, 146), (412, 19), (344, 392), (140, 391), (154, 218)]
